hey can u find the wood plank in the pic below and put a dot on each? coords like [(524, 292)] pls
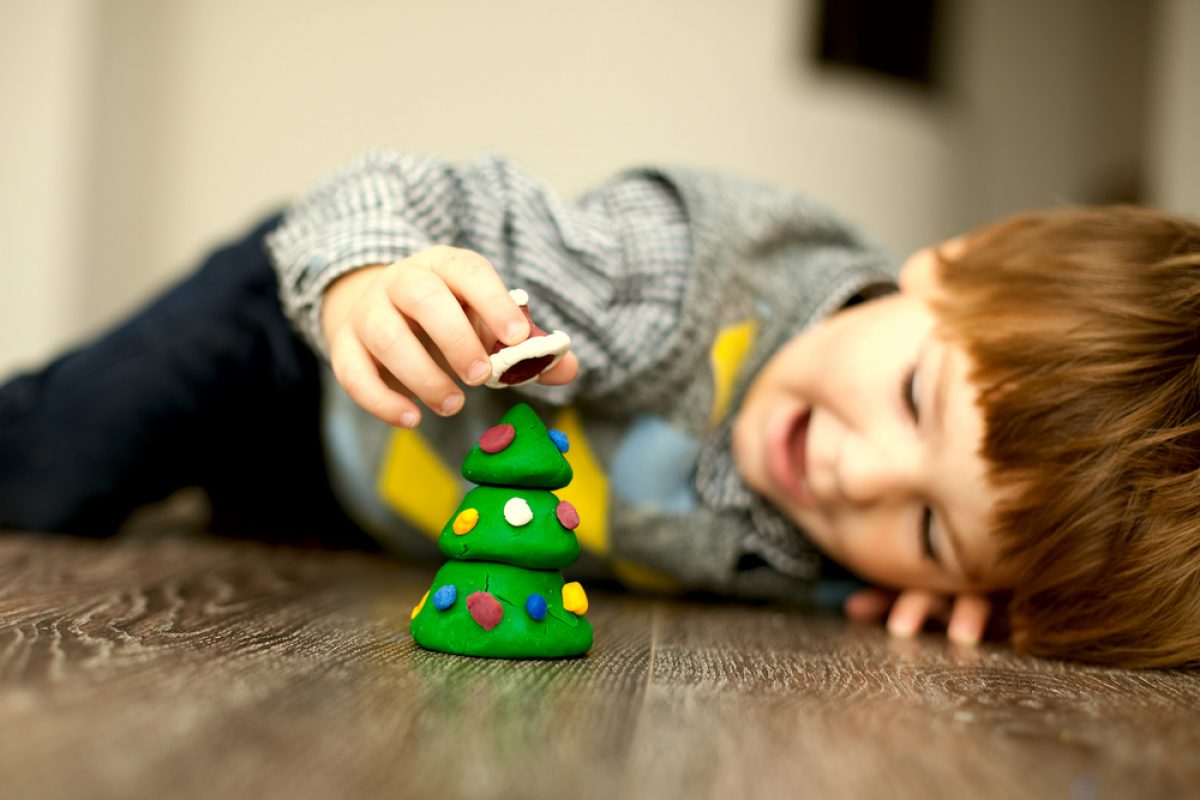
[(193, 666), (750, 702)]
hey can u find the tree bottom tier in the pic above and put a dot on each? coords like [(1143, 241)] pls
[(483, 608)]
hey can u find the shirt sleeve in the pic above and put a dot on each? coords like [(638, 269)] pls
[(610, 268)]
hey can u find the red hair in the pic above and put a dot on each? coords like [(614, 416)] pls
[(1083, 327)]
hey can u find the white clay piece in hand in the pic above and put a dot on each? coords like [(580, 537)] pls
[(523, 362)]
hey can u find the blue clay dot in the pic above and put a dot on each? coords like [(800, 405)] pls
[(444, 597), (535, 607), (560, 440)]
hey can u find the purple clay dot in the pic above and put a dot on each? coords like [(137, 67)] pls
[(535, 607)]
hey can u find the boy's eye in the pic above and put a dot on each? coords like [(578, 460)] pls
[(911, 401), (909, 392), (927, 534)]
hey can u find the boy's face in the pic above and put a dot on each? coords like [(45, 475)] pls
[(864, 430)]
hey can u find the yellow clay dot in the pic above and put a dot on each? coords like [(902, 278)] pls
[(574, 598), (420, 605), (466, 520)]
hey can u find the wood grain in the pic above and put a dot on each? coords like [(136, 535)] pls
[(191, 666)]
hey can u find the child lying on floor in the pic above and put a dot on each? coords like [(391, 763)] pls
[(755, 406)]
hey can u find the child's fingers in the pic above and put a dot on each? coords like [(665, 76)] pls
[(969, 618), (562, 372), (391, 341), (475, 282), (911, 609), (357, 372), (868, 605), (425, 298)]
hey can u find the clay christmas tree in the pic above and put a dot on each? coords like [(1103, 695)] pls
[(503, 594)]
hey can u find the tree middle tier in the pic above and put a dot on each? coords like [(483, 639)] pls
[(528, 528)]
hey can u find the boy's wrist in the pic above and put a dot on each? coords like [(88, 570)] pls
[(342, 294)]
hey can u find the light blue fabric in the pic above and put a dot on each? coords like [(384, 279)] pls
[(654, 467)]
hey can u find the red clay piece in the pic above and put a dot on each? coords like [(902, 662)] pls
[(567, 515), (485, 610), (497, 438), (524, 370)]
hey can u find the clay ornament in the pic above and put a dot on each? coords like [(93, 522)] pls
[(523, 362)]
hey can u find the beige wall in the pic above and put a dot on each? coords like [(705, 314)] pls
[(1174, 155), (225, 107), (45, 52), (149, 130)]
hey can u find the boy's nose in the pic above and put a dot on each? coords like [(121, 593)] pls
[(869, 473)]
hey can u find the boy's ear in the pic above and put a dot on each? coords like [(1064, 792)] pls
[(919, 273)]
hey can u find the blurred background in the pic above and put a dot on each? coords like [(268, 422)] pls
[(139, 133)]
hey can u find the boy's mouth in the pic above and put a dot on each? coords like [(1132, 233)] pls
[(787, 456)]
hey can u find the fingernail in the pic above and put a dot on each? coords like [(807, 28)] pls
[(452, 404), (902, 629), (516, 331), (962, 637), (408, 419), (479, 372)]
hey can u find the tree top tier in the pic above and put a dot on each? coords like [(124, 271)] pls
[(519, 452)]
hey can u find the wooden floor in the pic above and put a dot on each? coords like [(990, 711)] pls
[(187, 667)]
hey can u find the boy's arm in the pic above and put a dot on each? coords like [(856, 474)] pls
[(609, 269)]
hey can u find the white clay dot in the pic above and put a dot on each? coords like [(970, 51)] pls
[(519, 296), (518, 512)]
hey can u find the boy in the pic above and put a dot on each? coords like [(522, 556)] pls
[(753, 409)]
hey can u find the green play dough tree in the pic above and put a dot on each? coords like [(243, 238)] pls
[(502, 594)]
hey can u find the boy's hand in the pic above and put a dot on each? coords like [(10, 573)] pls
[(908, 610), (403, 331)]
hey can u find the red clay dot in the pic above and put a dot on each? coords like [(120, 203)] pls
[(567, 515), (485, 610), (497, 438)]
